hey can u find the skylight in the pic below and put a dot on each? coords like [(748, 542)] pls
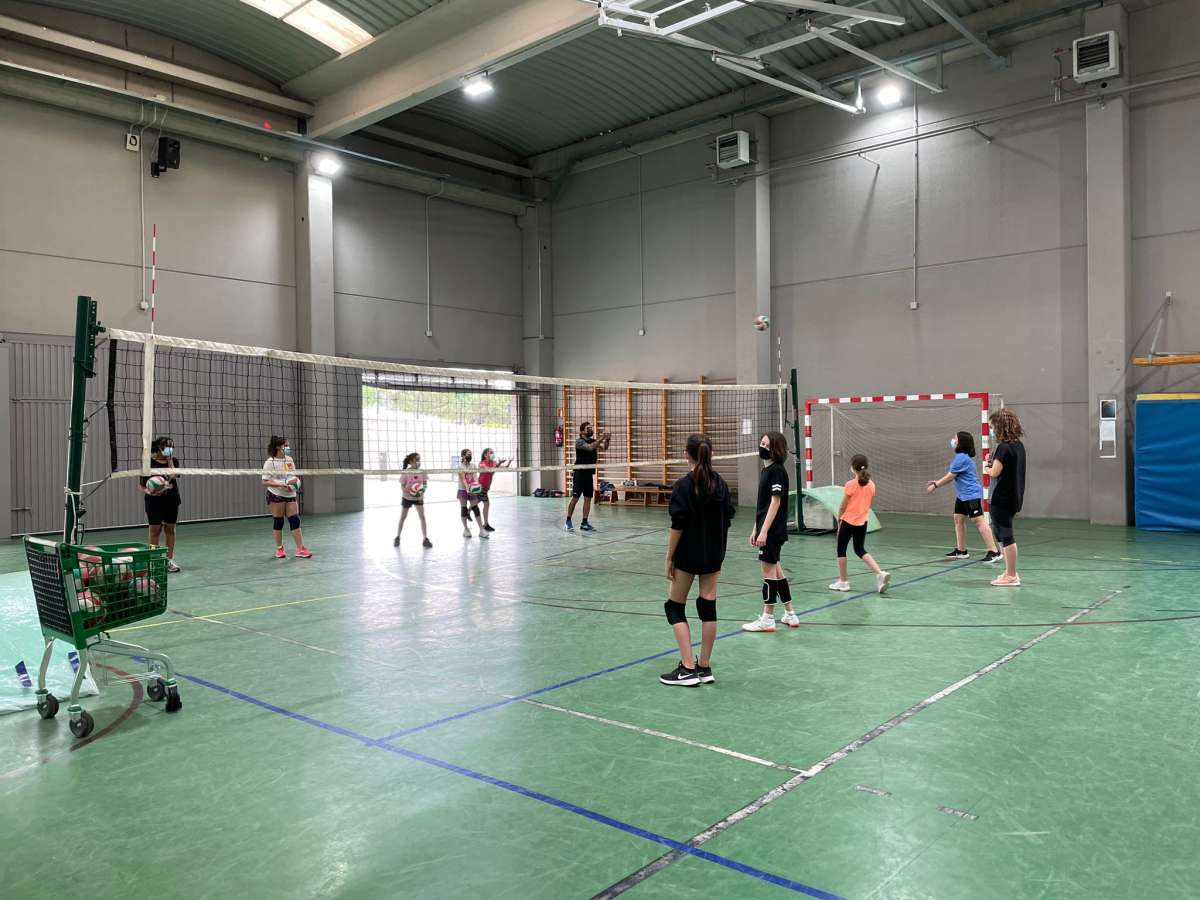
[(317, 20)]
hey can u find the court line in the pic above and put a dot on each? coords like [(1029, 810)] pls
[(566, 806), (637, 662), (635, 878), (233, 612)]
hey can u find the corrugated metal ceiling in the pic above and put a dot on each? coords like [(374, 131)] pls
[(242, 34), (601, 82)]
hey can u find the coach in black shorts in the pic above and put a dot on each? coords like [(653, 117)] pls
[(584, 474)]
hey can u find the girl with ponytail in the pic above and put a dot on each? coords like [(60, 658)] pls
[(852, 525), (769, 533), (701, 512)]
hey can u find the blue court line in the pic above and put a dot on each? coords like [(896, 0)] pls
[(531, 794), (637, 662)]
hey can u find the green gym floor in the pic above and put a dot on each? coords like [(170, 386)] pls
[(484, 719)]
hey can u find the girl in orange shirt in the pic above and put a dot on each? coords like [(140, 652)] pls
[(852, 525)]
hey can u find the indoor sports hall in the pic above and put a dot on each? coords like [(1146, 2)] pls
[(560, 449)]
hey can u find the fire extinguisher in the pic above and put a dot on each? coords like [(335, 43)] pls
[(558, 436)]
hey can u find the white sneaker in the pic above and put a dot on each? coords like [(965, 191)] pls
[(762, 623), (483, 534), (840, 586), (791, 620), (466, 532), (882, 580)]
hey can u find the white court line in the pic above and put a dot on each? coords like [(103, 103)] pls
[(657, 865)]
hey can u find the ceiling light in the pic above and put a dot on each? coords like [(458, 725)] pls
[(327, 166), (888, 95), (478, 86), (317, 20)]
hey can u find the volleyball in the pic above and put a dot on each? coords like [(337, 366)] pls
[(156, 484), (762, 323)]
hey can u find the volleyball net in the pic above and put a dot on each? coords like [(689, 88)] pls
[(222, 403)]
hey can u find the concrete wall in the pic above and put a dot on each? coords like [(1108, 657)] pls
[(687, 240)]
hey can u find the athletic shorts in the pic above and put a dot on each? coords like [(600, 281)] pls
[(464, 497), (409, 504), (481, 496), (972, 509), (1002, 526), (769, 553), (159, 512), (271, 498), (582, 485)]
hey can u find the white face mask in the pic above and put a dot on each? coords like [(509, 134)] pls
[(954, 443)]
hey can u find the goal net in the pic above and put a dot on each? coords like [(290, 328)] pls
[(905, 437), (221, 404)]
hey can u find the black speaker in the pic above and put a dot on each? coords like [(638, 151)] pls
[(168, 156)]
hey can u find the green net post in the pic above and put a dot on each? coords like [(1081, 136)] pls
[(86, 331), (798, 453)]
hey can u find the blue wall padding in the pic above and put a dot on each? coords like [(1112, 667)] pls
[(1166, 458)]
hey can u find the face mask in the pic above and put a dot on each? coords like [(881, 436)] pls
[(287, 451), (168, 452), (588, 434), (764, 452), (953, 443)]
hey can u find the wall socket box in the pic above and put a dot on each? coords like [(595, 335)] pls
[(133, 142)]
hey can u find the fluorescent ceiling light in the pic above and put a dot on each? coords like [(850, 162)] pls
[(317, 20), (888, 95), (327, 166), (478, 86)]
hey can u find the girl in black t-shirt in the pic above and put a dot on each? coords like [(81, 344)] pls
[(770, 533), (701, 512), (1007, 469), (162, 507)]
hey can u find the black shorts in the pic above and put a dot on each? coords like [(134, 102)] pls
[(857, 533), (409, 504), (769, 553), (271, 498), (162, 511), (1002, 526), (481, 496), (972, 509), (582, 485)]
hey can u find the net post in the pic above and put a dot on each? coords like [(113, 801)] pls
[(985, 452), (84, 360), (796, 452), (147, 402)]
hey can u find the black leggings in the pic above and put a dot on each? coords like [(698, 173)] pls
[(846, 531)]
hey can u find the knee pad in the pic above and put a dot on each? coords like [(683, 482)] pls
[(706, 609), (277, 523), (294, 523), (769, 591), (676, 612), (462, 511)]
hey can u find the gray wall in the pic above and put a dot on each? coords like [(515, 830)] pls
[(687, 235)]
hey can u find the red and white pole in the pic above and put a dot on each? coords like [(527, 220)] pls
[(153, 271)]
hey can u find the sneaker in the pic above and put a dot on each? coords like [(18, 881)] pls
[(840, 586), (427, 543), (791, 620), (466, 532), (396, 541), (586, 526), (762, 623), (956, 554), (488, 528), (569, 526), (171, 567), (304, 553), (882, 580), (1005, 581), (705, 674), (680, 677), (993, 556), (483, 534), (280, 553)]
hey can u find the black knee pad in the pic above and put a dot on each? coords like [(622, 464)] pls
[(676, 612), (784, 589), (462, 510), (706, 609), (277, 523), (769, 591), (294, 523)]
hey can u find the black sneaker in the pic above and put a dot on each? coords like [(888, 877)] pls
[(704, 673), (427, 543), (396, 541), (488, 528), (956, 554), (993, 556), (681, 677)]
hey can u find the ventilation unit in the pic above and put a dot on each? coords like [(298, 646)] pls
[(733, 150), (1096, 57)]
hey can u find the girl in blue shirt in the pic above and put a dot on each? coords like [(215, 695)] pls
[(969, 498)]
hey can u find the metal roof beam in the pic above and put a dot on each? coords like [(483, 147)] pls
[(795, 89), (832, 9), (431, 53), (86, 48), (828, 36), (966, 32)]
